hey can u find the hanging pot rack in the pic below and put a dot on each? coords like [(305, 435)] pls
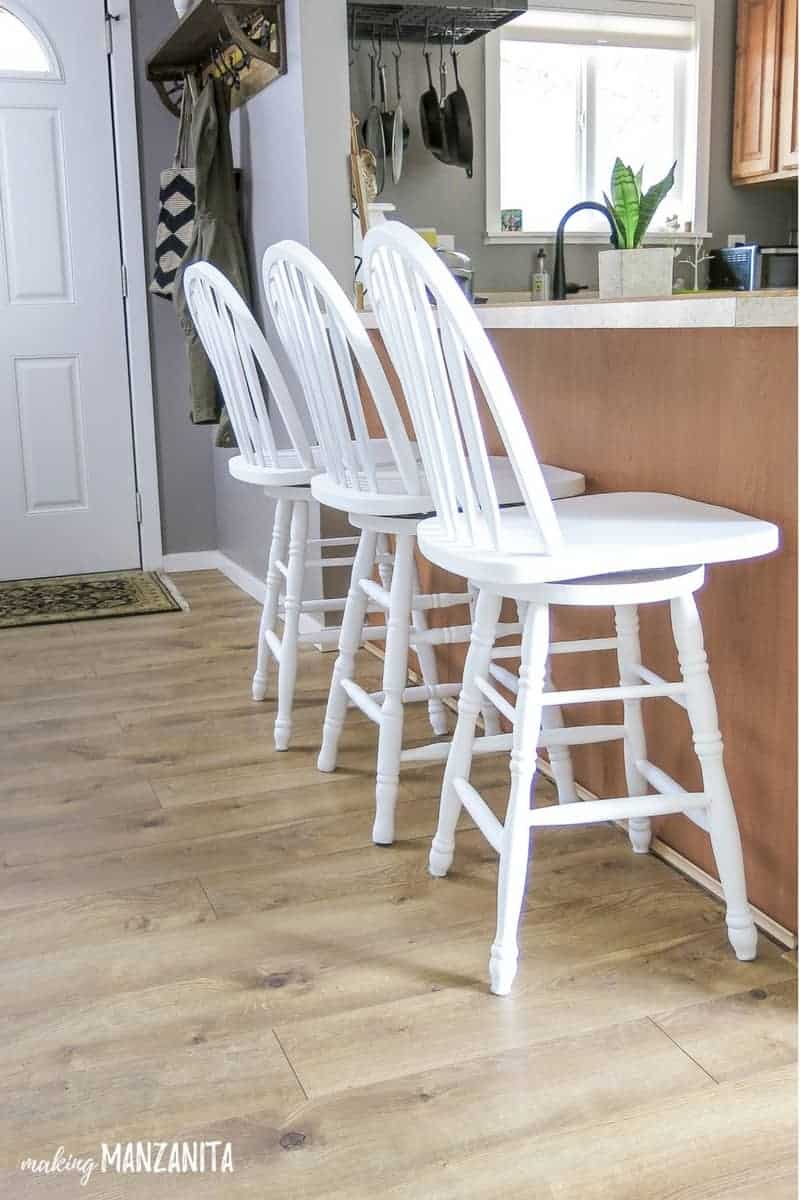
[(464, 21), (241, 41)]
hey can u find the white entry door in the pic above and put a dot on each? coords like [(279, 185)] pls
[(67, 480)]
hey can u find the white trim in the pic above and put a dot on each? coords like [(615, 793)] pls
[(136, 316), (526, 238), (697, 140), (192, 560), (246, 581)]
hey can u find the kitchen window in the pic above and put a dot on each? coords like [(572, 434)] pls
[(572, 85)]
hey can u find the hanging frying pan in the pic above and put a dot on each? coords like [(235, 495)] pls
[(387, 118), (400, 130), (458, 125), (431, 117), (373, 130)]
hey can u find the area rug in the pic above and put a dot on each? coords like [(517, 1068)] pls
[(86, 597)]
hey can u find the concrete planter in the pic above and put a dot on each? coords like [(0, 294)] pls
[(643, 272)]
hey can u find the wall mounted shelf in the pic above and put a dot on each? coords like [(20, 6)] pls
[(243, 41), (418, 18)]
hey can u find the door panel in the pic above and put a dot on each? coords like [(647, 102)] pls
[(38, 261), (67, 483), (787, 126), (51, 433), (757, 41)]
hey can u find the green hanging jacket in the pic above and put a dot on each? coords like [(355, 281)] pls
[(217, 239)]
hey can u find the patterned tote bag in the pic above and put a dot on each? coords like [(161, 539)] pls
[(176, 208)]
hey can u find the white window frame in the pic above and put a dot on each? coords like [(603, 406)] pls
[(703, 13)]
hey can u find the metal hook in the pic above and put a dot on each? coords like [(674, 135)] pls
[(380, 49), (426, 44), (354, 48), (453, 43), (398, 52), (374, 43)]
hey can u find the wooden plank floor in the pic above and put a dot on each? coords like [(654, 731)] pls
[(198, 940)]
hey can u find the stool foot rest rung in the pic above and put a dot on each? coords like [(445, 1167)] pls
[(274, 644), (581, 735), (480, 812), (420, 603), (491, 693), (362, 700), (324, 543), (581, 647), (665, 785), (329, 562), (619, 808), (495, 743), (648, 676)]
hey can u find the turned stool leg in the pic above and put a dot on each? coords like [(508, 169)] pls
[(723, 827), (515, 844), (395, 680), (384, 550), (350, 636), (559, 756), (459, 759), (629, 654), (293, 598), (280, 536), (489, 714), (427, 664)]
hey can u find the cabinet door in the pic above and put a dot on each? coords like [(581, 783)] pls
[(757, 47), (787, 121)]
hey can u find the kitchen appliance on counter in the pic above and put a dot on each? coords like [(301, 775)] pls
[(460, 267), (753, 268)]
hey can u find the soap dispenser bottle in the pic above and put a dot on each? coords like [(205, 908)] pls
[(540, 281)]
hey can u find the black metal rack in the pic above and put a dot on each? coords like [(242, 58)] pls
[(466, 20)]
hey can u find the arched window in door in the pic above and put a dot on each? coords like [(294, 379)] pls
[(25, 52)]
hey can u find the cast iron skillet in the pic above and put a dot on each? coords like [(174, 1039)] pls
[(458, 125), (431, 117)]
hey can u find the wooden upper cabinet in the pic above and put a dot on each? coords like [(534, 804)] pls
[(757, 67), (787, 105), (765, 101)]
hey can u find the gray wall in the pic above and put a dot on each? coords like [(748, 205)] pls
[(292, 142), (430, 194), (188, 514)]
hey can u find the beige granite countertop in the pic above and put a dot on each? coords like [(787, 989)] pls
[(696, 310)]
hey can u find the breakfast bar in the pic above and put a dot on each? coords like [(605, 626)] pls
[(693, 395)]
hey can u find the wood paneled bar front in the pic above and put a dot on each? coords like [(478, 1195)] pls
[(705, 409)]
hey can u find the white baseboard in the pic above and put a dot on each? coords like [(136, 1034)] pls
[(192, 560), (246, 581)]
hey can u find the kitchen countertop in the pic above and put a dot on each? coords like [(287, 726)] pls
[(696, 310)]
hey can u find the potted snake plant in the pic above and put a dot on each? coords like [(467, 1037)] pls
[(633, 269)]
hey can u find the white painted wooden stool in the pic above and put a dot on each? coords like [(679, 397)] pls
[(380, 485), (616, 550), (238, 352)]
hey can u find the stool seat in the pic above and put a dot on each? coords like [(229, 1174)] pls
[(602, 535), (288, 471), (393, 500)]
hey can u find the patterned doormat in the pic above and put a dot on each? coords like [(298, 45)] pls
[(84, 597)]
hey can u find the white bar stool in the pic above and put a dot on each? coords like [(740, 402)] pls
[(611, 550), (240, 356), (380, 485)]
